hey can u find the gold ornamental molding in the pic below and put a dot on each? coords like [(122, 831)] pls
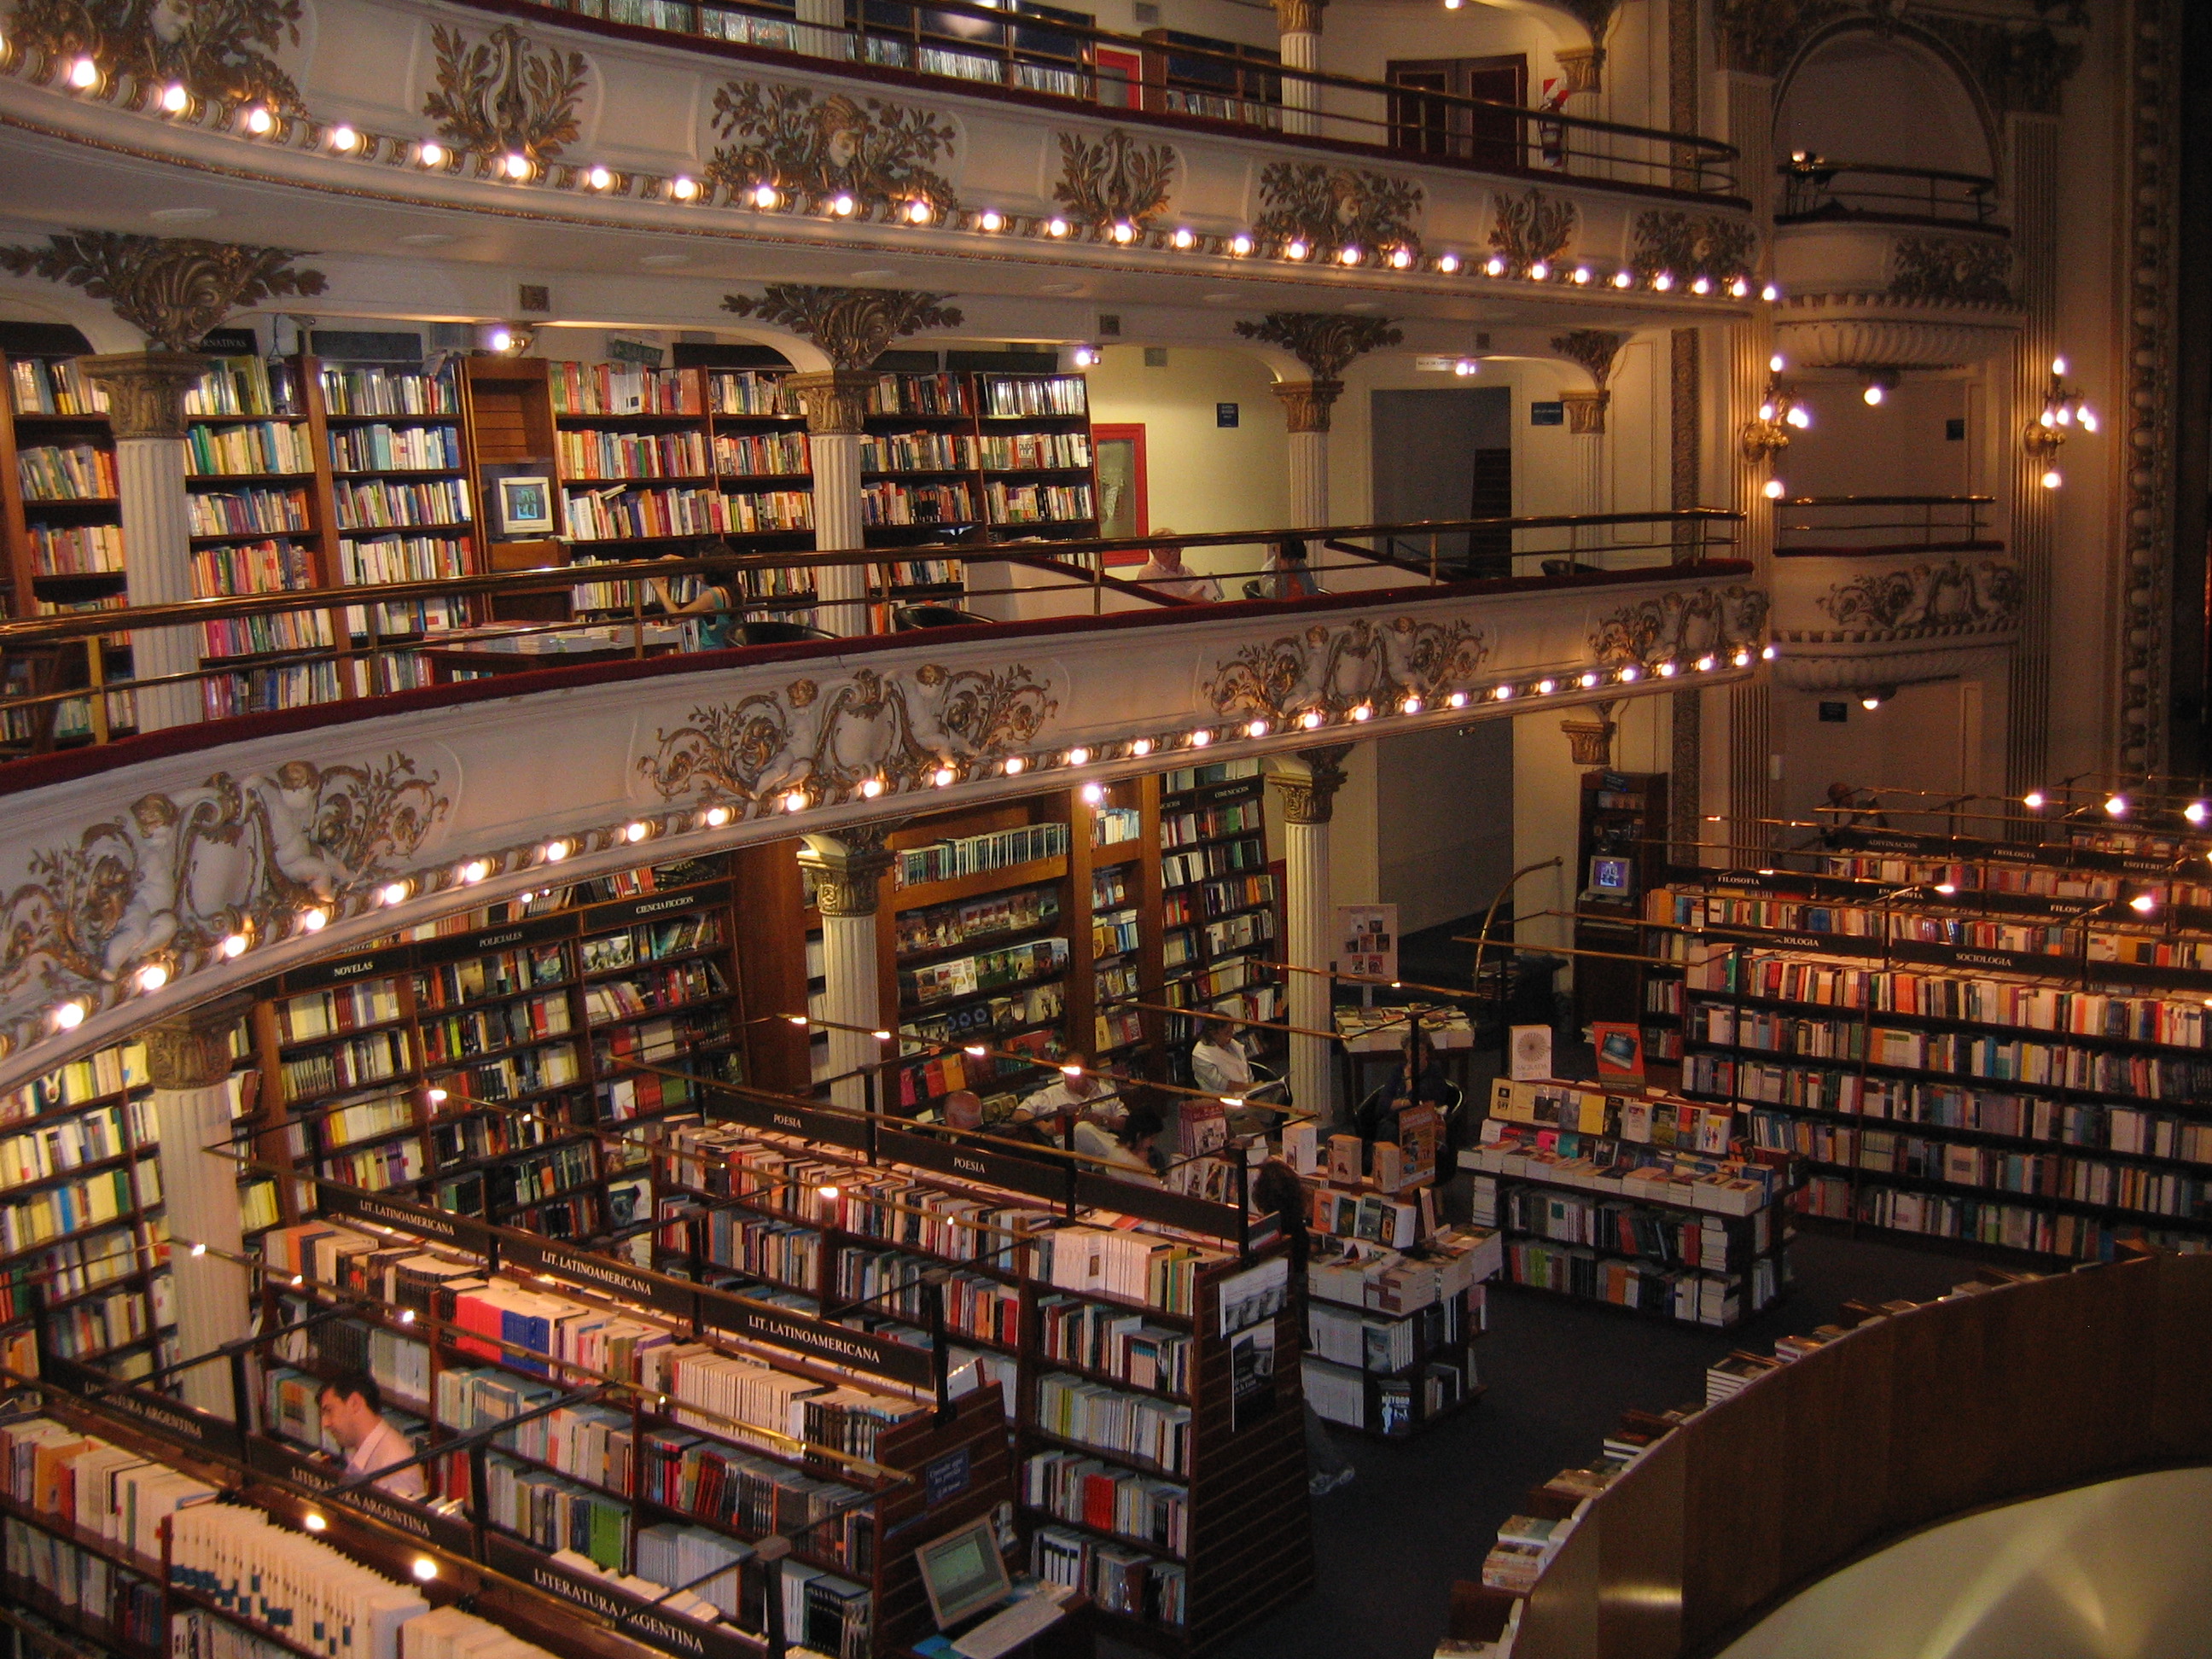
[(1325, 342), (854, 157), (1310, 797), (1683, 627), (1331, 209), (1531, 230), (853, 326), (1322, 673), (220, 50), (506, 94), (172, 290), (1307, 404), (847, 868), (1115, 181)]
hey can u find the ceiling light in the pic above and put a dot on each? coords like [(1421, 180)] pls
[(1201, 737), (1014, 765), (517, 167), (1662, 280), (1294, 250), (1448, 262), (1410, 704), (84, 74), (636, 831), (1587, 680), (1770, 294), (683, 189), (1078, 757), (1349, 254), (1739, 288), (919, 213), (843, 206), (1703, 285), (1869, 703), (1629, 673), (313, 921), (1256, 729), (394, 893), (795, 801), (1240, 243), (1872, 394), (1124, 231), (1539, 272), (1401, 258), (1141, 747), (1624, 279), (259, 122), (765, 196), (1457, 699), (1545, 688), (176, 100), (1772, 489), (1056, 227), (598, 178), (1705, 665), (1365, 711), (475, 871), (1503, 692), (1182, 237), (68, 1016), (430, 153), (1493, 266), (1311, 720), (942, 777), (343, 139)]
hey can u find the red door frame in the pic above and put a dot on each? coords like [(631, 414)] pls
[(1133, 431)]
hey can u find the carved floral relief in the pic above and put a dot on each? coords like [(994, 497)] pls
[(1948, 598), (215, 49), (1960, 270), (1329, 207), (505, 93), (1525, 229), (175, 875), (854, 326), (1116, 179), (1683, 625), (1335, 670), (1692, 245), (172, 290), (897, 731), (882, 155)]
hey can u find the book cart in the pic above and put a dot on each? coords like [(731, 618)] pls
[(1179, 1545), (2020, 1062), (1637, 1201)]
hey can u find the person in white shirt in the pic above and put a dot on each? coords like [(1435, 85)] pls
[(1165, 570), (1073, 1094), (353, 1415), (1126, 1152), (1221, 1065)]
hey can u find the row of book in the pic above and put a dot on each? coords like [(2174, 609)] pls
[(1123, 1345), (968, 855), (1983, 1221), (1692, 1298), (640, 514), (1620, 1229), (1211, 823), (942, 927), (252, 567), (375, 1057), (917, 452), (74, 472), (2031, 1004), (745, 392), (245, 385), (1094, 1493), (2091, 1071), (39, 385), (1004, 399), (245, 451), (1037, 503), (90, 1137), (883, 504), (339, 1009), (1217, 859), (285, 630), (375, 390), (1031, 452), (919, 394), (596, 453), (1717, 1182), (763, 454), (103, 1490), (2035, 1175), (77, 549), (623, 389), (2031, 880), (84, 1582), (381, 449), (247, 512), (1100, 1416), (985, 971), (74, 1205), (389, 504), (1220, 897), (1118, 1578)]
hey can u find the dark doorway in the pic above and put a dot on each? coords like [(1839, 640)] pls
[(1436, 126), (1447, 454)]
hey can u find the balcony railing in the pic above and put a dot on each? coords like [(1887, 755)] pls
[(1832, 527), (1814, 188), (60, 684), (1033, 51)]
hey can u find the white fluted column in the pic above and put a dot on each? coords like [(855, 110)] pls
[(1299, 21), (849, 870), (836, 405), (1307, 402), (146, 409), (1305, 787), (188, 1062)]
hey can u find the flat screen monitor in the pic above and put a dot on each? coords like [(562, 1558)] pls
[(963, 1573), (1611, 877)]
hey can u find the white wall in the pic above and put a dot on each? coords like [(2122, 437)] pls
[(1445, 821), (1944, 737), (2115, 1571)]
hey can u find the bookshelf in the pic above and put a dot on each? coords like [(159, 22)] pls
[(1637, 1200), (1620, 855), (2019, 1063), (1141, 1478), (1220, 911), (1391, 1334)]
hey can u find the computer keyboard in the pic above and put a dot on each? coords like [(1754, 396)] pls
[(1002, 1632)]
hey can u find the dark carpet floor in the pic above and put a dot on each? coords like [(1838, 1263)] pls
[(1423, 1513)]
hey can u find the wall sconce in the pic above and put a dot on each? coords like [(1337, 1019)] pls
[(2064, 409), (511, 339), (1768, 434)]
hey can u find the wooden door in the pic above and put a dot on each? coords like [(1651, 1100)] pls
[(1436, 126)]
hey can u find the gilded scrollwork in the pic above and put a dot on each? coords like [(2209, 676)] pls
[(1333, 207), (171, 288), (1325, 342), (874, 734), (1332, 671), (171, 877), (1678, 625), (1953, 597), (506, 93), (1116, 180), (1531, 230), (852, 326), (220, 50), (881, 154), (1692, 245), (1959, 271)]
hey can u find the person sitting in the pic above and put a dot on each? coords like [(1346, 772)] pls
[(1286, 575), (1127, 1152), (1416, 1079), (353, 1415), (962, 1110), (1221, 1064), (1078, 1093), (1166, 571)]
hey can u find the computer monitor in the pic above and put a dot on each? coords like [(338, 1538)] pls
[(1611, 877), (963, 1573)]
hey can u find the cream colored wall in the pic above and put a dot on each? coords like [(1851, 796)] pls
[(1202, 477)]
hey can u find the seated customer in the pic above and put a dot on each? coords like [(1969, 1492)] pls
[(1166, 571), (1221, 1064), (1126, 1152)]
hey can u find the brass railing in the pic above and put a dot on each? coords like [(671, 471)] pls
[(58, 684), (1830, 525), (1048, 54), (1814, 188)]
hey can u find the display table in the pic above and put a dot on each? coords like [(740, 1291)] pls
[(1371, 1041)]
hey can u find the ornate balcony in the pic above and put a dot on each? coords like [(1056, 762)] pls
[(1874, 591)]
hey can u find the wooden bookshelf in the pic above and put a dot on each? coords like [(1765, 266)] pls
[(2020, 1063), (1621, 830), (1220, 901)]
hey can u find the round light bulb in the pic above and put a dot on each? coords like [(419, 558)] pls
[(153, 976), (636, 832), (1311, 720), (1349, 255), (683, 189), (1294, 250), (1409, 705), (2197, 812), (1448, 262), (2116, 806), (430, 153), (1702, 285), (69, 1016), (1363, 712), (795, 801), (1201, 737), (234, 945), (1770, 294), (716, 817), (1240, 243), (1872, 394), (343, 139), (557, 850), (1094, 795), (2052, 479), (1768, 653), (518, 168), (843, 206), (83, 74), (1539, 272), (1662, 281), (990, 219), (1181, 239), (1056, 227), (942, 777), (2033, 801), (1123, 231), (1503, 693), (1401, 258), (475, 871), (1629, 673), (259, 122), (1015, 764), (1799, 416), (1256, 729), (1587, 680), (1668, 668), (313, 921), (2057, 365), (2142, 904), (765, 196), (870, 787), (1624, 279), (1581, 275), (1869, 703), (1771, 490), (1457, 699), (1545, 688), (394, 893), (1141, 747), (1705, 665), (425, 1568), (1078, 757), (316, 1523), (1741, 659), (176, 100), (1493, 266), (1739, 288), (598, 178), (919, 213)]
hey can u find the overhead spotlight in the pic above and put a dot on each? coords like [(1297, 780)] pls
[(2116, 806), (1182, 237), (598, 178), (843, 206), (919, 213), (343, 139), (1448, 262), (1240, 243), (1094, 795), (394, 892), (1083, 356), (1123, 231), (1057, 226), (516, 167)]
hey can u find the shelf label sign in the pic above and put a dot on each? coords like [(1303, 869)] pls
[(525, 1254), (172, 1419), (814, 1339)]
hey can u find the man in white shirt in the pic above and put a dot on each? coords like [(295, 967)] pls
[(1080, 1093), (353, 1415), (1165, 570)]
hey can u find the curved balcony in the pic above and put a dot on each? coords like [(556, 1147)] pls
[(952, 137), (153, 872), (1891, 267), (1874, 591), (1953, 1409)]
